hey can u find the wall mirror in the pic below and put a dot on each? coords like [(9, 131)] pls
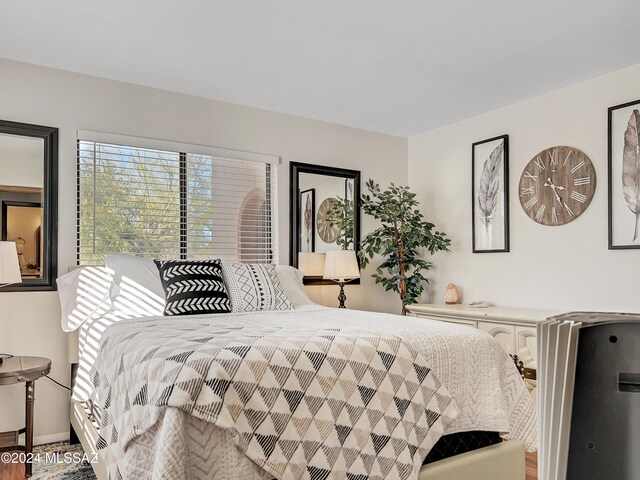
[(324, 215), (28, 197)]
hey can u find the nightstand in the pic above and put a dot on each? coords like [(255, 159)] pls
[(19, 370)]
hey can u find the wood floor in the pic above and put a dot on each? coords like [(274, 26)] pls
[(11, 471), (16, 471), (531, 466)]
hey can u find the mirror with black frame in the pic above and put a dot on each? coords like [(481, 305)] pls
[(324, 216), (28, 200)]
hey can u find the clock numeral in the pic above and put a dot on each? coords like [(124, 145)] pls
[(569, 211), (539, 164), (553, 157), (540, 212), (530, 203), (527, 191), (529, 175), (554, 215), (582, 181), (577, 167), (567, 158), (579, 197)]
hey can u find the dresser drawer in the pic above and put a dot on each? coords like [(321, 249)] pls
[(503, 333), (459, 321)]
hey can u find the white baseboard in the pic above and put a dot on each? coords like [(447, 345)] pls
[(54, 437)]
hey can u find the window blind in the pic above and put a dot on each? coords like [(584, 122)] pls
[(173, 204)]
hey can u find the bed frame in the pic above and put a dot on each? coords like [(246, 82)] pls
[(502, 461)]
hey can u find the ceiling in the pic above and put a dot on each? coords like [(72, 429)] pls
[(401, 67)]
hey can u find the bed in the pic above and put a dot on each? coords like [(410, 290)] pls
[(476, 400)]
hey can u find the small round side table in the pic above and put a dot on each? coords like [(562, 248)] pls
[(19, 370)]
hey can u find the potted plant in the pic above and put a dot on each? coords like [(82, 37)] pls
[(399, 239)]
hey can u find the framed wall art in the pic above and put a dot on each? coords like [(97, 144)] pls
[(490, 194), (348, 189), (307, 220), (624, 176)]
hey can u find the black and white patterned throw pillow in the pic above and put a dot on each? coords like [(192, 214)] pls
[(253, 287), (193, 287)]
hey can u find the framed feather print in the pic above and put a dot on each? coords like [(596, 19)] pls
[(348, 189), (307, 220), (490, 194), (624, 176)]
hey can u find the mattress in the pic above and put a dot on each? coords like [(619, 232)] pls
[(462, 442)]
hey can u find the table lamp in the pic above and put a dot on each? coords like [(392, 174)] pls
[(341, 266), (9, 268), (311, 264)]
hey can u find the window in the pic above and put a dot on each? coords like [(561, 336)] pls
[(173, 201)]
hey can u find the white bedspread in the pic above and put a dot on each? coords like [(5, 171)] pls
[(481, 378)]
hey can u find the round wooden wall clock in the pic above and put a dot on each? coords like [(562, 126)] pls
[(326, 230), (557, 185)]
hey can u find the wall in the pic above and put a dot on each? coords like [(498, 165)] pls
[(564, 267), (29, 322)]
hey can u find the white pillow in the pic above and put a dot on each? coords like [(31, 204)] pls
[(84, 295), (254, 287), (137, 289), (291, 283)]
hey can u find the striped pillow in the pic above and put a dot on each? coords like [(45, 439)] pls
[(193, 287)]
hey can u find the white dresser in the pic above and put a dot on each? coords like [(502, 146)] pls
[(514, 328)]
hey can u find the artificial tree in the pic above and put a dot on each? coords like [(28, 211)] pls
[(340, 215), (399, 239)]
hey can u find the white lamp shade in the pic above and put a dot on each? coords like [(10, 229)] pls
[(341, 265), (9, 268), (311, 264)]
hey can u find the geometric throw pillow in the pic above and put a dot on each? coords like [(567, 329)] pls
[(193, 287), (254, 287)]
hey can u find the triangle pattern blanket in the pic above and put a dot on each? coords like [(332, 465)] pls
[(302, 402)]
